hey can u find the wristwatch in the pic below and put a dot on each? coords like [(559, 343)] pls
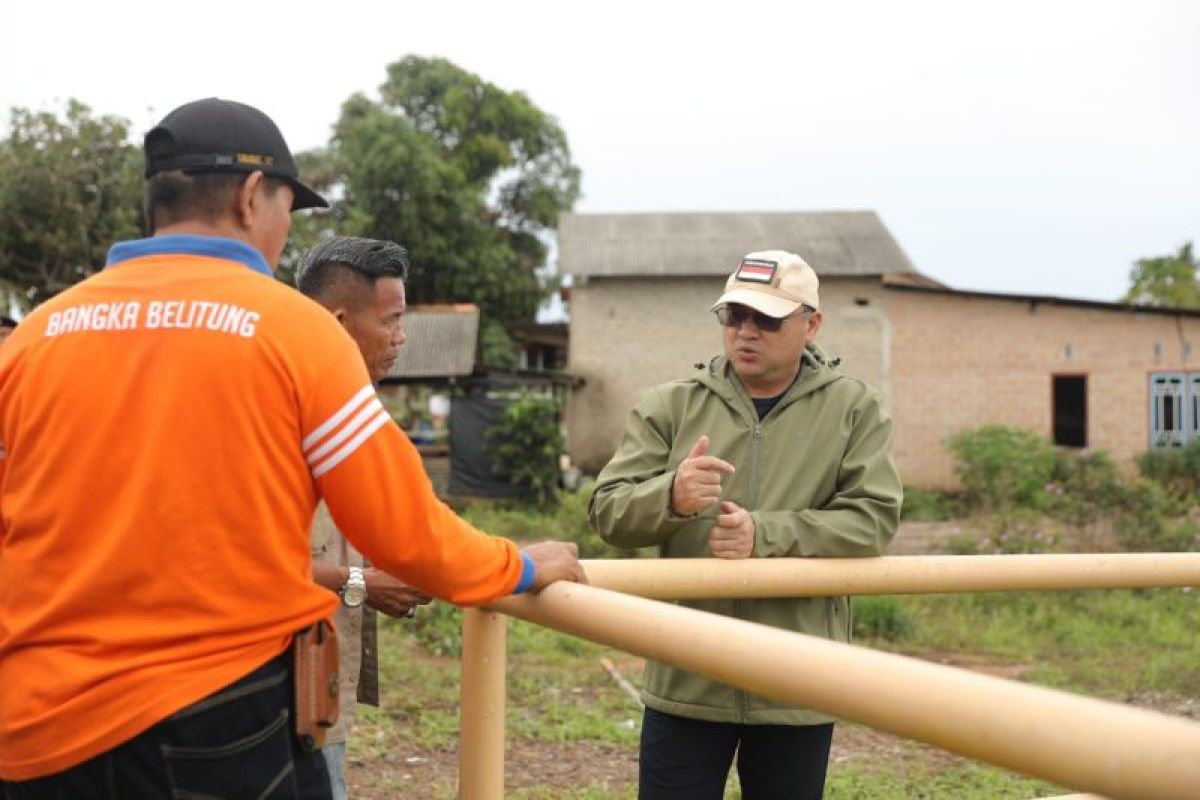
[(354, 590)]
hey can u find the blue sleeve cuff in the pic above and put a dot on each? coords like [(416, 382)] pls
[(528, 573)]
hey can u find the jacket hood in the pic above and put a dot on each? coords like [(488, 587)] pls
[(817, 370)]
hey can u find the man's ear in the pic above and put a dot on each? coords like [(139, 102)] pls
[(814, 325), (340, 314), (246, 198)]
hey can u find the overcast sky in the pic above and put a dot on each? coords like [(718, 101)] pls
[(1029, 147)]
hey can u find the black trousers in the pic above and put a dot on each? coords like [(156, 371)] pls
[(237, 743), (689, 759)]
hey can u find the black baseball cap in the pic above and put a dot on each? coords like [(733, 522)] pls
[(214, 135)]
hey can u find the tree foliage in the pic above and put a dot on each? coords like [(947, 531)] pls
[(464, 174), (70, 185), (1166, 281)]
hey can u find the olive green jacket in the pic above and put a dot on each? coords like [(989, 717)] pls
[(816, 474)]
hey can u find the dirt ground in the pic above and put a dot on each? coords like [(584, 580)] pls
[(417, 775)]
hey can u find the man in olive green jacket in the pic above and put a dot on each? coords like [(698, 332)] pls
[(765, 452)]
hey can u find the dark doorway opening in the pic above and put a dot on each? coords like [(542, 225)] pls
[(1070, 410)]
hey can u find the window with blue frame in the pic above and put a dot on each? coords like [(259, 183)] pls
[(1174, 408)]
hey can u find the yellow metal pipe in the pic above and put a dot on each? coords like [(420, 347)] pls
[(696, 578), (481, 732), (1085, 744)]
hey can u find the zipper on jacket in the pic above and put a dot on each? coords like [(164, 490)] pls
[(755, 447), (742, 607)]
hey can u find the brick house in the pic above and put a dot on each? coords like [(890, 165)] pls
[(1086, 374)]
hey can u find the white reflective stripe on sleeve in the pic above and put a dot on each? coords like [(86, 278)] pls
[(364, 433), (336, 418), (349, 429)]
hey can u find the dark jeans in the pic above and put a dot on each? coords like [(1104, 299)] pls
[(237, 743), (689, 759)]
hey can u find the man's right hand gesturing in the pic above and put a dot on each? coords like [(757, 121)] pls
[(697, 483)]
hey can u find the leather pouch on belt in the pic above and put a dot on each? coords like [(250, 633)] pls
[(316, 661)]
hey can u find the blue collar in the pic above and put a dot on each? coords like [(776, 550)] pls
[(186, 244)]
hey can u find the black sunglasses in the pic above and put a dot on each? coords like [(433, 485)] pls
[(732, 316)]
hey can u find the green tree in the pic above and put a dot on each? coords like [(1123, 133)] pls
[(1165, 281), (70, 185), (469, 177)]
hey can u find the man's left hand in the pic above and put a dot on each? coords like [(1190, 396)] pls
[(393, 597), (733, 535)]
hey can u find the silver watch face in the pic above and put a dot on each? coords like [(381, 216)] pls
[(353, 594), (354, 591)]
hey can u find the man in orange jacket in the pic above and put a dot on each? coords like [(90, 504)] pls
[(167, 427)]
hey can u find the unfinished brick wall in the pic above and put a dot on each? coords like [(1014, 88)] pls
[(958, 362)]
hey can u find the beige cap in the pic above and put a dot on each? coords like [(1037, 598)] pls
[(773, 282)]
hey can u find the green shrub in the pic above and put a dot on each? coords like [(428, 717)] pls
[(525, 442), (1083, 487), (1003, 467), (1176, 469), (881, 618), (1146, 518), (922, 506)]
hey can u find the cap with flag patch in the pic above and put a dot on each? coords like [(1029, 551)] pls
[(215, 135), (773, 282)]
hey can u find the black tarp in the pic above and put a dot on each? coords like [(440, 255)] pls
[(470, 462)]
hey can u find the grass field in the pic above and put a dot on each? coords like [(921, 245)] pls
[(572, 732)]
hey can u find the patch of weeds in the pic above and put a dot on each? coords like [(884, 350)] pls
[(855, 782), (924, 506), (1147, 519), (420, 697), (547, 645), (570, 702), (565, 520), (438, 628), (1020, 531), (881, 618), (963, 544), (1080, 641)]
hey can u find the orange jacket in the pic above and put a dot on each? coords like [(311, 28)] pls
[(167, 427)]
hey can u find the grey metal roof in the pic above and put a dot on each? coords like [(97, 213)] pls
[(1035, 300), (439, 342), (712, 243)]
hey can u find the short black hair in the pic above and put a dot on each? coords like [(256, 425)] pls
[(342, 269), (177, 196)]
